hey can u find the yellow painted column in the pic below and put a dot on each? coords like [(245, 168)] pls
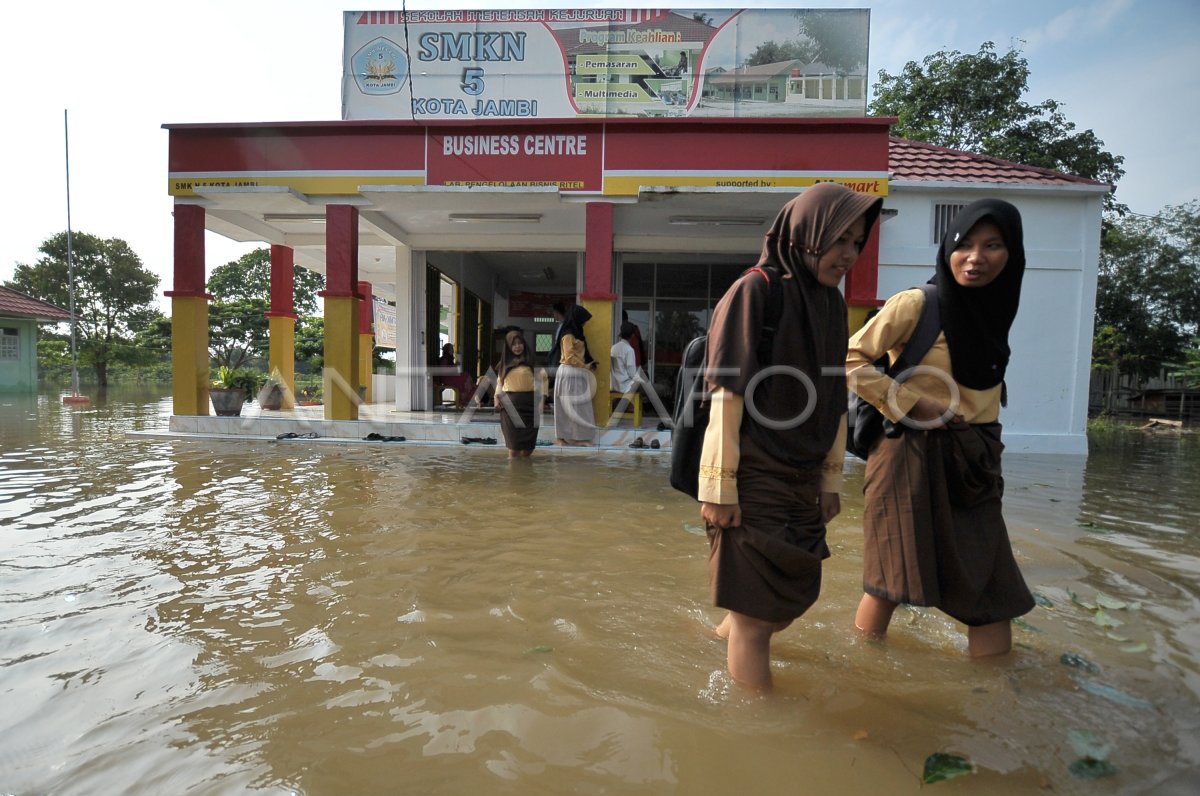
[(189, 355), (857, 317), (366, 350), (599, 334), (282, 354), (341, 380)]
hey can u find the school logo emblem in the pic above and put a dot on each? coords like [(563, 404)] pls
[(380, 67)]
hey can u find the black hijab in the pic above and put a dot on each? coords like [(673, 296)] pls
[(976, 320), (572, 324)]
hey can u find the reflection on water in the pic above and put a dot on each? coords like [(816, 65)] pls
[(210, 617)]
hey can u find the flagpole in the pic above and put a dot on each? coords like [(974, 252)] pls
[(74, 397)]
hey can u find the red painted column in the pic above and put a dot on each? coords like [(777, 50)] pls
[(598, 253), (862, 281), (342, 379), (283, 277), (366, 340), (189, 315), (189, 252), (598, 298), (341, 251), (366, 309), (281, 319)]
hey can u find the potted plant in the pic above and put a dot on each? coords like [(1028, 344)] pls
[(230, 389), (271, 394)]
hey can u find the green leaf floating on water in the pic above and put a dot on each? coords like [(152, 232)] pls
[(1104, 620), (1042, 600), (1086, 744), (1088, 768), (694, 529), (941, 766), (1117, 637), (1111, 603), (1091, 526), (1081, 603), (1021, 623), (1078, 662), (1139, 647), (540, 649), (1112, 694)]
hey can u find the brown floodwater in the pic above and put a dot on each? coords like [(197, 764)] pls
[(210, 618)]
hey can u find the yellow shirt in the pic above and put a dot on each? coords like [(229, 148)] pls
[(520, 379), (722, 452), (571, 351), (888, 332)]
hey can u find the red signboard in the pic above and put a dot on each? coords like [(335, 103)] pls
[(569, 157)]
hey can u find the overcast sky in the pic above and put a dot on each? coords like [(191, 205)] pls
[(1127, 70)]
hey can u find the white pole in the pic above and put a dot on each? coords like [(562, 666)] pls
[(70, 258)]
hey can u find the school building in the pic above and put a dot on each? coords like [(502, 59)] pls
[(464, 226)]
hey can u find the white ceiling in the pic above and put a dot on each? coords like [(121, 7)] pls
[(519, 253)]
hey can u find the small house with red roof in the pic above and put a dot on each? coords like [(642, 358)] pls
[(19, 318)]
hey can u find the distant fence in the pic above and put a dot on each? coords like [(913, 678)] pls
[(1161, 396)]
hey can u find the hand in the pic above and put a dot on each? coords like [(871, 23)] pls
[(930, 413), (721, 515), (831, 505)]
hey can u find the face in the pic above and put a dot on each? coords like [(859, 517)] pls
[(518, 346), (842, 255), (980, 256)]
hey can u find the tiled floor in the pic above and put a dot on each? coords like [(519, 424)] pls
[(437, 427)]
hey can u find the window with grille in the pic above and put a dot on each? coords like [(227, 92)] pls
[(542, 342), (943, 217), (10, 343)]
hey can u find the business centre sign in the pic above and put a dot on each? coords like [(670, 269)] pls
[(598, 63)]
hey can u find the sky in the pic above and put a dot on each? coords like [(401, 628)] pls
[(1129, 71)]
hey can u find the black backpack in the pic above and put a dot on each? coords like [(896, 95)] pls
[(865, 423), (689, 419)]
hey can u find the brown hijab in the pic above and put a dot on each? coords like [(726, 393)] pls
[(511, 360), (796, 424)]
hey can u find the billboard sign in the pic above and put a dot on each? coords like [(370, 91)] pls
[(600, 63)]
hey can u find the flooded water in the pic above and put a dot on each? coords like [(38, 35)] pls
[(297, 617)]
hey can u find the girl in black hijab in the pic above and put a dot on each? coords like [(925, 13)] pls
[(574, 383), (771, 465), (934, 532)]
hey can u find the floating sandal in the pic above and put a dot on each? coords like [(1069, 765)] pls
[(638, 443), (377, 437), (294, 435)]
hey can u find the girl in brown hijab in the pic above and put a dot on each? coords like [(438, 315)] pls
[(934, 534), (520, 396), (771, 465)]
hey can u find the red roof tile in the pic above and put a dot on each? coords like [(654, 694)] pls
[(18, 305), (914, 160)]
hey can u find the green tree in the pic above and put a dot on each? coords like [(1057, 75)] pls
[(1148, 289), (836, 38), (310, 342), (114, 295), (977, 103), (772, 52), (1189, 369), (237, 323)]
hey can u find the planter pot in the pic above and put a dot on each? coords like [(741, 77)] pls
[(227, 403), (271, 397)]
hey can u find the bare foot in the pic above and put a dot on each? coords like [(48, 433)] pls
[(722, 629)]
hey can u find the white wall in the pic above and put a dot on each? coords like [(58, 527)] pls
[(1051, 337)]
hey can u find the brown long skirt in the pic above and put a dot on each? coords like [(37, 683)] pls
[(769, 567), (518, 424), (934, 531)]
